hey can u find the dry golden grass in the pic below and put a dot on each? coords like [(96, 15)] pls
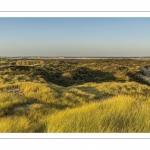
[(117, 114), (90, 107)]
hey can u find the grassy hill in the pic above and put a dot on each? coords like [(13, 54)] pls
[(73, 96)]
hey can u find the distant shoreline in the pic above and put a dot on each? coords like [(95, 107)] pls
[(21, 57)]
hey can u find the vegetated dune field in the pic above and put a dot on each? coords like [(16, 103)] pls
[(74, 95)]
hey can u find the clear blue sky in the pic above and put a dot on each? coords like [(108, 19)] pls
[(74, 36)]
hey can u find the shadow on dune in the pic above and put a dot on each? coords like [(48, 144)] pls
[(79, 76), (136, 78), (67, 77)]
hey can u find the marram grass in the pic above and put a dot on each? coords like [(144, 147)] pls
[(15, 124), (91, 107), (117, 114)]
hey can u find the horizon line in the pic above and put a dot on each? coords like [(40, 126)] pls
[(78, 56)]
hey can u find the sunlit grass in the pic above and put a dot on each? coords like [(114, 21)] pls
[(90, 107), (117, 114), (15, 124)]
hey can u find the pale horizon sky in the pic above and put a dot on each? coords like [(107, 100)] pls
[(92, 37)]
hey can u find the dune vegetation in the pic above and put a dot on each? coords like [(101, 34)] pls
[(78, 96)]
